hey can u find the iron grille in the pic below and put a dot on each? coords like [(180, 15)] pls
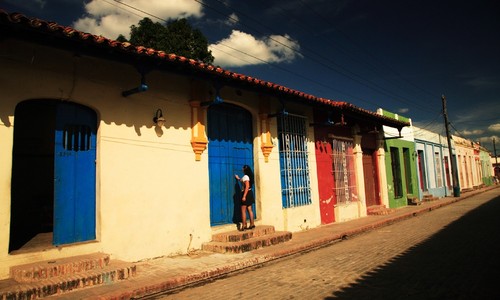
[(77, 137), (343, 171), (294, 165)]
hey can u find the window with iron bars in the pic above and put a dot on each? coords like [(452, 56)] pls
[(295, 183), (343, 171), (396, 173)]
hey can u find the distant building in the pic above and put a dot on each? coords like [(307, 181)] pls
[(433, 163), (468, 162), (402, 180)]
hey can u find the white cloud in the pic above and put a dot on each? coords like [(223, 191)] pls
[(109, 26), (403, 110), (487, 139), (472, 132), (232, 20), (240, 49), (111, 18), (494, 127)]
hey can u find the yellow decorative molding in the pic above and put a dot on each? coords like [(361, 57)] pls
[(199, 146), (199, 140), (265, 137)]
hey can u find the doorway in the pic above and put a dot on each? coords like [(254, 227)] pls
[(53, 172), (230, 147), (370, 178)]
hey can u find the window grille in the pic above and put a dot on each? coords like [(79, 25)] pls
[(396, 173), (294, 166), (407, 168), (77, 137), (439, 175), (447, 172), (343, 171)]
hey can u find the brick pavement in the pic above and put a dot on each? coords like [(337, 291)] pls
[(173, 272), (447, 254)]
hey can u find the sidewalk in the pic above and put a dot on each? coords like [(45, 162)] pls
[(169, 273)]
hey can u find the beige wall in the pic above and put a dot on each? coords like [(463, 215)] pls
[(152, 196), (467, 165)]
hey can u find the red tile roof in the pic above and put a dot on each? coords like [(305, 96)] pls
[(26, 24)]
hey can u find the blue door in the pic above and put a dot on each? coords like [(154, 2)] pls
[(74, 174), (230, 147)]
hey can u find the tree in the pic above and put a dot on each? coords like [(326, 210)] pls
[(176, 37)]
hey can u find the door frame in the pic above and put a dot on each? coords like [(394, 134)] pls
[(230, 135), (27, 191)]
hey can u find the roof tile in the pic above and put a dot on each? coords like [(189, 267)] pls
[(19, 20)]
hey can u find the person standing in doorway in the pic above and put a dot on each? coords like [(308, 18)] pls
[(247, 198)]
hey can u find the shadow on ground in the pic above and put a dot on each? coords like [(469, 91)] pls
[(460, 262)]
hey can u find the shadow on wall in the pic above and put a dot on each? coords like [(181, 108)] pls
[(5, 120)]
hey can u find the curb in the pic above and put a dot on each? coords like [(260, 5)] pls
[(199, 278), (169, 284)]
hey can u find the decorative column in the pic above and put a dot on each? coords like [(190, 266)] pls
[(382, 171), (199, 140), (358, 163)]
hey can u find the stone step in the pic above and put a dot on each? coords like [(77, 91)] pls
[(414, 201), (59, 267), (236, 236), (429, 197), (56, 285), (248, 240), (378, 210)]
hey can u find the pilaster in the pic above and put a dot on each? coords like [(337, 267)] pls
[(358, 163), (199, 139)]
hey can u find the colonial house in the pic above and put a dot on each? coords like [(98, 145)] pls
[(350, 164), (468, 166), (495, 167), (115, 148), (485, 166), (433, 164), (400, 162)]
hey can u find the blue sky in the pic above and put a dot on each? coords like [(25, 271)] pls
[(397, 55)]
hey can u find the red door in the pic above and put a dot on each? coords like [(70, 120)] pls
[(371, 179), (326, 181)]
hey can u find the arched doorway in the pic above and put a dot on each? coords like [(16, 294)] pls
[(230, 147), (53, 172)]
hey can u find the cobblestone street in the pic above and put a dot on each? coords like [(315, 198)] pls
[(449, 253)]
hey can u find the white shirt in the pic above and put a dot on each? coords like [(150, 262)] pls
[(246, 178)]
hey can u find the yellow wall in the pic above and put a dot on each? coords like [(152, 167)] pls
[(152, 196)]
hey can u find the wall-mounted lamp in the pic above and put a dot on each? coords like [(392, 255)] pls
[(159, 120)]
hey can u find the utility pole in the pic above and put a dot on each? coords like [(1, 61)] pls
[(495, 152), (497, 167), (454, 175)]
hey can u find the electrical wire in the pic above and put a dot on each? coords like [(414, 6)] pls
[(122, 8), (137, 9), (353, 42), (343, 71), (338, 68), (254, 57), (285, 70)]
